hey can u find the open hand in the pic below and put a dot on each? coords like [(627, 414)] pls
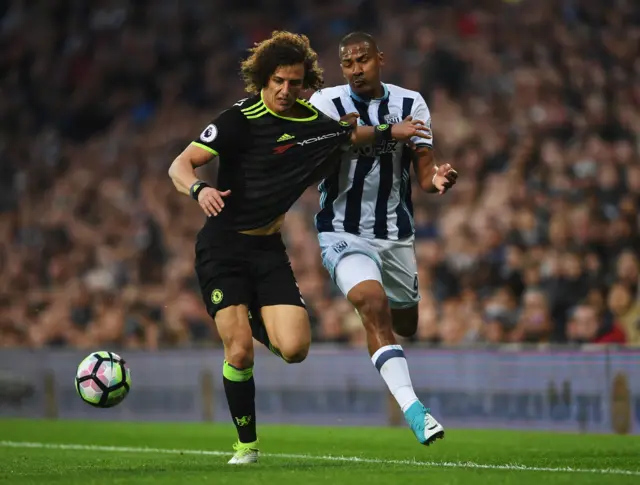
[(211, 200), (410, 128), (444, 178)]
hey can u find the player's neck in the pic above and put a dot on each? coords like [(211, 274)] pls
[(378, 92), (295, 111)]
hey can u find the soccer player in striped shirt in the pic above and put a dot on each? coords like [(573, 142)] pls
[(365, 224)]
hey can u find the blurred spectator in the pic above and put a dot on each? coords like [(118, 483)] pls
[(626, 312), (535, 323), (587, 326), (536, 103)]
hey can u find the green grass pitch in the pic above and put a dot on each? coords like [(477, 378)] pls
[(87, 453)]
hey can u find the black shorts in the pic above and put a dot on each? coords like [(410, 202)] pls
[(239, 269)]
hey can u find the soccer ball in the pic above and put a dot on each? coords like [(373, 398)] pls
[(103, 379)]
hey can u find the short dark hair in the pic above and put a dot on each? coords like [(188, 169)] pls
[(281, 49), (356, 38)]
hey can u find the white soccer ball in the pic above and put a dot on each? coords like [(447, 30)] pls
[(103, 379)]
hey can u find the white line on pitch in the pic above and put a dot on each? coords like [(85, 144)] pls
[(348, 459)]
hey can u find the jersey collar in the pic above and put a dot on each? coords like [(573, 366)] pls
[(304, 103), (360, 99)]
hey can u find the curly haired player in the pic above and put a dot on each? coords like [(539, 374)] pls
[(271, 147)]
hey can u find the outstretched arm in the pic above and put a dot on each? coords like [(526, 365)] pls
[(432, 178), (406, 131)]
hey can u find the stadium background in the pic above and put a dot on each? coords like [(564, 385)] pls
[(536, 103)]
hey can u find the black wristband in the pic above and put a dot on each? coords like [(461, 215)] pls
[(382, 135), (196, 188)]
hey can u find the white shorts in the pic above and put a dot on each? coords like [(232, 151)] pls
[(395, 259)]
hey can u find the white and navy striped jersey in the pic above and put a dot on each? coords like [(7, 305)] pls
[(370, 194)]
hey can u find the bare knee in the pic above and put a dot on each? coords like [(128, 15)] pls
[(371, 302), (294, 354), (239, 355), (405, 321), (289, 330), (235, 332)]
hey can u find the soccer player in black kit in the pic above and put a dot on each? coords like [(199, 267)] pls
[(271, 146)]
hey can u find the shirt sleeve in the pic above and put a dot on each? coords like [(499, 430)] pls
[(223, 134), (321, 101), (327, 148), (420, 111)]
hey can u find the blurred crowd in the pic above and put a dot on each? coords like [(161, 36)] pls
[(535, 102)]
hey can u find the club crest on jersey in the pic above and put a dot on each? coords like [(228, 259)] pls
[(392, 119)]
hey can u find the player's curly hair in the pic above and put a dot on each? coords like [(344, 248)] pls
[(281, 49)]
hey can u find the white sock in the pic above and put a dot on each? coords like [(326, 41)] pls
[(392, 365)]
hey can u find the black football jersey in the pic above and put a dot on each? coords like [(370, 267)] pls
[(268, 161)]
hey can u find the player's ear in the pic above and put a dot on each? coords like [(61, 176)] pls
[(381, 58)]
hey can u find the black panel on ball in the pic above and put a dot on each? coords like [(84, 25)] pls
[(102, 387), (103, 400)]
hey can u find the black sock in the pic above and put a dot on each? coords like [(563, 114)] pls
[(240, 389)]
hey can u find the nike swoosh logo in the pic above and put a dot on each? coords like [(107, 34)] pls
[(433, 427)]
